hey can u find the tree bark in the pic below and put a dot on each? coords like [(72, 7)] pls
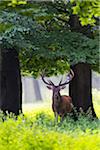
[(75, 26), (10, 82), (80, 88)]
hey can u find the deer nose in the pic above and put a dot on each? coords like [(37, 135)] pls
[(56, 95)]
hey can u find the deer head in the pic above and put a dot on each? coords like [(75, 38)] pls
[(56, 88)]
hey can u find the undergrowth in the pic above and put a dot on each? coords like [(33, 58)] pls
[(36, 130)]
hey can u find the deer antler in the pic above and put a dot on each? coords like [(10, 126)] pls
[(70, 76), (49, 82), (60, 81)]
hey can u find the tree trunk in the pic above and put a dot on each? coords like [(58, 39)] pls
[(37, 90), (76, 26), (80, 88), (10, 82)]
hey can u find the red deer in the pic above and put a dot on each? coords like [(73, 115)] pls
[(61, 104)]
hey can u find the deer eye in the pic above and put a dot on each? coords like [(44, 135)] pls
[(49, 87)]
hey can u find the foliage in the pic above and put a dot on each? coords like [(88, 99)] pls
[(14, 29), (40, 32), (52, 53), (36, 130), (88, 11), (13, 3)]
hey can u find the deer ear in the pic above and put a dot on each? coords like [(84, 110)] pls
[(62, 87), (49, 87)]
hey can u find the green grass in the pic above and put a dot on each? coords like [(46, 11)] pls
[(36, 130)]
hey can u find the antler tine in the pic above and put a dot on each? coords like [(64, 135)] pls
[(60, 81), (49, 81), (70, 76)]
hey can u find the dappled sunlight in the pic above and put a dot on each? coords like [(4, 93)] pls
[(46, 105), (32, 109), (97, 109), (96, 101)]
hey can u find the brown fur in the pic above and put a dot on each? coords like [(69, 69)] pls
[(63, 107)]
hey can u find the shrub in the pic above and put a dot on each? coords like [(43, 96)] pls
[(37, 131)]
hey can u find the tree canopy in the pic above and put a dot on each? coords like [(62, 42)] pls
[(42, 34)]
